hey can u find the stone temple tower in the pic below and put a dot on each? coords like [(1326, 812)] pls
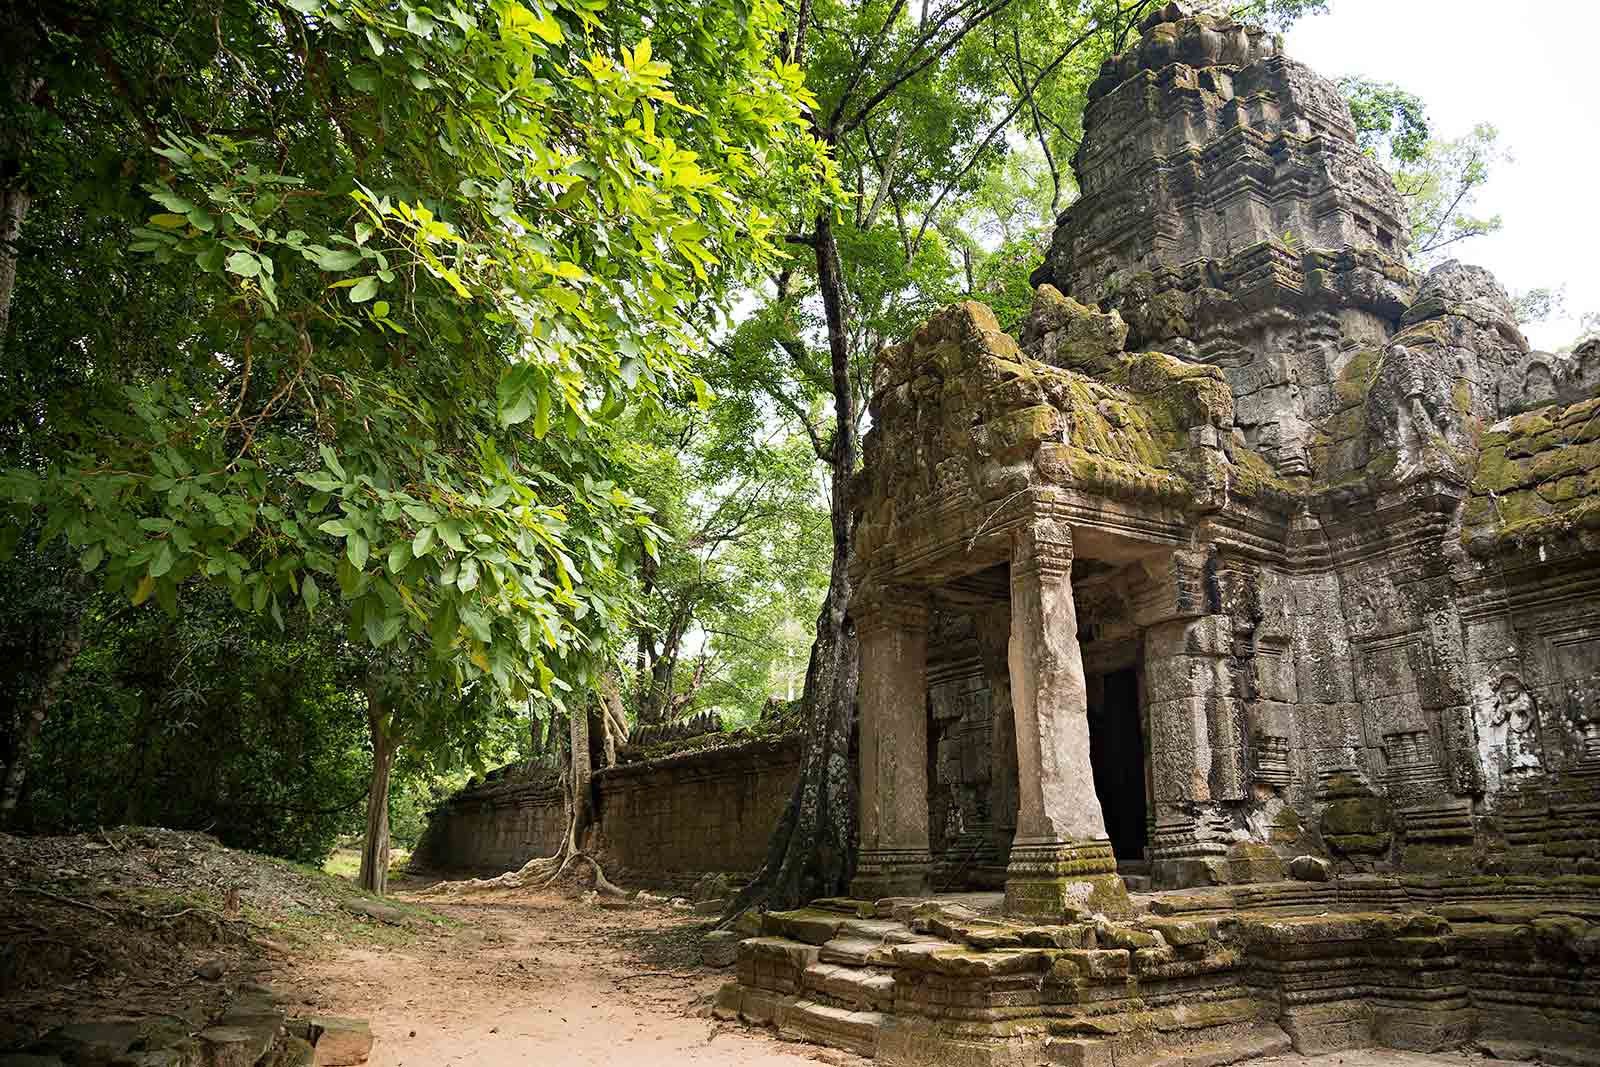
[(1237, 528), (1252, 561), (1228, 215)]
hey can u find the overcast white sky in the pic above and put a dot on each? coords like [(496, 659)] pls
[(1528, 67)]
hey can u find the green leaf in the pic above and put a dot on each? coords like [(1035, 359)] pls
[(92, 557), (399, 556), (356, 547), (382, 627), (364, 290), (342, 259), (422, 543), (468, 581), (375, 41), (306, 7), (244, 264), (332, 461), (444, 627), (336, 527), (164, 558), (310, 593)]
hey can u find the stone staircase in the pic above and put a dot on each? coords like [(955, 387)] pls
[(1197, 979), (916, 981)]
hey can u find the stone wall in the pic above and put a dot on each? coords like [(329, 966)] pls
[(675, 818), (660, 821), (494, 827)]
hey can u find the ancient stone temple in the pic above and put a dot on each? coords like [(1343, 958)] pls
[(1255, 569)]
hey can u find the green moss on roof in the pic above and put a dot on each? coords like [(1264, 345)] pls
[(1537, 476)]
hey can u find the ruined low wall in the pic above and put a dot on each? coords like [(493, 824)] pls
[(661, 821), (494, 827), (700, 811)]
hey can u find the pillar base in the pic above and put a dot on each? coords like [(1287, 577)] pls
[(891, 872), (1047, 879)]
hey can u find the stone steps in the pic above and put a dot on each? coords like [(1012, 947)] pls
[(824, 1024), (859, 988), (1257, 1042)]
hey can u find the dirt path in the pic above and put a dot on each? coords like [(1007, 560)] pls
[(547, 979), (543, 979)]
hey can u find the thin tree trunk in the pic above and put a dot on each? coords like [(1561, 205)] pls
[(14, 204), (374, 877), (614, 718), (20, 32), (44, 699), (580, 771), (812, 852)]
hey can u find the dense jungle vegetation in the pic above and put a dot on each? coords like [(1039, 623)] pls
[(387, 386)]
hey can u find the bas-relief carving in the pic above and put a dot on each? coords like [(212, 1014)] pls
[(1508, 733)]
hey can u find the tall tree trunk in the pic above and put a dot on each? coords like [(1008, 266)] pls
[(580, 771), (38, 710), (20, 32), (14, 204), (374, 877), (812, 852), (613, 717)]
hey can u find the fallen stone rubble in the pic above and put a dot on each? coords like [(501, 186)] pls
[(256, 1030)]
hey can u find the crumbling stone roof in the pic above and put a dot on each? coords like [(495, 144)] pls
[(1538, 476)]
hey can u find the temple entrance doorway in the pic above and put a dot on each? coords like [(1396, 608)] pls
[(1117, 757)]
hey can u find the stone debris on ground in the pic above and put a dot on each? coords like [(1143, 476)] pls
[(258, 1028)]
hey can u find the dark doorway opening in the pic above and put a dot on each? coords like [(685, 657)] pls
[(1116, 753)]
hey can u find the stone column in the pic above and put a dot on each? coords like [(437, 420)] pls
[(892, 628), (1193, 749), (993, 626), (1061, 856)]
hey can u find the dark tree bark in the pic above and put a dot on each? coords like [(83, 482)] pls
[(374, 877), (812, 853), (580, 770)]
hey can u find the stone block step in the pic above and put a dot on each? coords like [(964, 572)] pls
[(1255, 1044), (862, 988), (872, 929), (848, 951), (1237, 1047), (823, 1024)]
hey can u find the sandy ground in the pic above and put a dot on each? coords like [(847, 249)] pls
[(546, 979)]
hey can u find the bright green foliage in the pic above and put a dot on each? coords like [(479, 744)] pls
[(1391, 124), (1441, 188), (744, 558), (428, 255), (1439, 180)]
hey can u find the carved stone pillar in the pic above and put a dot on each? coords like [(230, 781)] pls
[(1061, 856), (993, 625), (892, 628), (1195, 751)]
